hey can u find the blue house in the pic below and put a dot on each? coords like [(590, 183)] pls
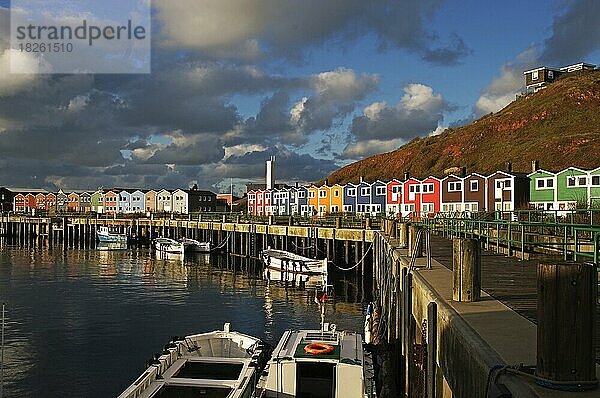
[(378, 197), (124, 205), (138, 201), (302, 200), (349, 198), (363, 198)]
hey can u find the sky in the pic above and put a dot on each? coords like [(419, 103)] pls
[(317, 83)]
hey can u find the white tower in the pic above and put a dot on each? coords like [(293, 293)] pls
[(270, 176)]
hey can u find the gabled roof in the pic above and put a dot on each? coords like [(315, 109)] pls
[(542, 171)]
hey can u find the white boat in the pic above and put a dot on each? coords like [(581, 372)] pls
[(169, 246), (284, 266), (106, 236), (318, 363), (194, 246), (216, 364)]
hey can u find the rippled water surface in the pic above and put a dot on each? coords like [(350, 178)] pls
[(81, 323)]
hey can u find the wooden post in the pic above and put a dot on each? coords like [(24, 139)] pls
[(431, 348), (403, 238), (393, 227), (466, 270), (368, 222), (338, 222), (412, 237), (567, 294)]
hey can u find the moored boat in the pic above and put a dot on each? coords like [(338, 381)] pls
[(217, 364), (105, 235), (167, 245), (194, 246), (285, 266), (318, 363)]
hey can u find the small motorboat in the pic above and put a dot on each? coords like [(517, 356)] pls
[(168, 246), (285, 266), (105, 235), (318, 363), (216, 364), (194, 246)]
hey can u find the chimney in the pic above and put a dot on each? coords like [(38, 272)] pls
[(270, 174), (406, 175), (463, 171), (326, 182), (361, 179), (297, 184), (509, 167), (535, 165)]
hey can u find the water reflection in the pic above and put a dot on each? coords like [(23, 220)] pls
[(82, 322)]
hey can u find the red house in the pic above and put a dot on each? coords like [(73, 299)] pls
[(252, 206), (421, 197), (19, 203), (394, 197)]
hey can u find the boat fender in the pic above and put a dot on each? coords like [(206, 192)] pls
[(318, 349)]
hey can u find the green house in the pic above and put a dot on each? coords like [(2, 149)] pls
[(595, 188), (97, 200), (572, 188), (542, 190)]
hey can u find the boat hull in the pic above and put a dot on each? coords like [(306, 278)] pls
[(111, 238), (282, 266)]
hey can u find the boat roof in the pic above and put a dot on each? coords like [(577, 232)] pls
[(347, 346), (285, 255), (212, 365)]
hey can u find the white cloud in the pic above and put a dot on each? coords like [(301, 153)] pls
[(27, 64), (343, 85), (368, 148)]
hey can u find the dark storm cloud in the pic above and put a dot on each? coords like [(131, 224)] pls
[(575, 34), (449, 55), (286, 28)]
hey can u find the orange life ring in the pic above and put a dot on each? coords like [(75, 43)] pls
[(318, 348)]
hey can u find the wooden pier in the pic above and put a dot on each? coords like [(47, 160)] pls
[(438, 345)]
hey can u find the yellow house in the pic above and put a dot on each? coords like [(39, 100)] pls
[(336, 199), (324, 200), (313, 200)]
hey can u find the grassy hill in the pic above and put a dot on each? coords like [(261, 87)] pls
[(559, 126)]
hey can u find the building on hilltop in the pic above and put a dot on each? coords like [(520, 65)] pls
[(537, 79)]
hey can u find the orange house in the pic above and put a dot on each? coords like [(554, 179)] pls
[(73, 202), (313, 200), (50, 202), (336, 199), (40, 201), (151, 200), (324, 200), (111, 200)]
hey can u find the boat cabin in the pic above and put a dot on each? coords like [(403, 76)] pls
[(319, 364)]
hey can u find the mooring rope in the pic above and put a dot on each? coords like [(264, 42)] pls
[(220, 245), (355, 265)]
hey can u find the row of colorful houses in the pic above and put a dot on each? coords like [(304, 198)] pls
[(110, 201), (503, 190)]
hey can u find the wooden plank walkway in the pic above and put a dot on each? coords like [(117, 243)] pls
[(507, 279)]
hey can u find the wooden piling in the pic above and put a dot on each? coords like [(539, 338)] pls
[(415, 248), (466, 270), (567, 294), (431, 348)]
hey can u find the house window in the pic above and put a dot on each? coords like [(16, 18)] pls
[(311, 194), (427, 188), (582, 181), (535, 75), (454, 186), (550, 74), (251, 196), (301, 194), (596, 181), (352, 192), (336, 193), (570, 181), (380, 191), (322, 194), (427, 208), (365, 191), (347, 208), (545, 183), (335, 209), (474, 185), (395, 189)]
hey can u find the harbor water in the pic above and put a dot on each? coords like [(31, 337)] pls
[(83, 322)]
